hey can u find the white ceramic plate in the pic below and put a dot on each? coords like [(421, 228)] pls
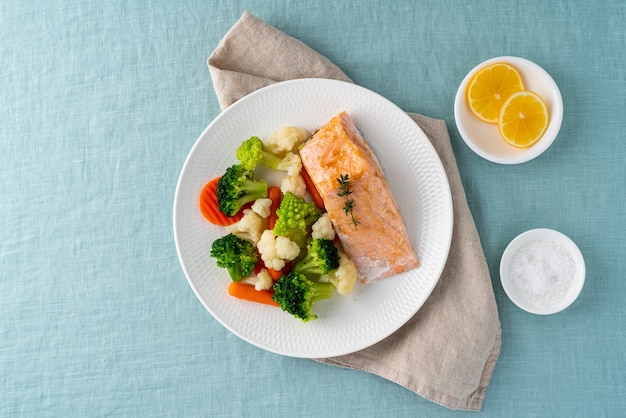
[(417, 178), (484, 138), (548, 290)]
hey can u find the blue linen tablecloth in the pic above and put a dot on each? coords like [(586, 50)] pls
[(99, 107)]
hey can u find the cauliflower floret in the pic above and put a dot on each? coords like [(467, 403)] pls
[(285, 140), (323, 228), (344, 278), (294, 184), (291, 163), (249, 227), (275, 251), (262, 281), (262, 207), (286, 248)]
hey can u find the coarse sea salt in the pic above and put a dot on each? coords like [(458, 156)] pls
[(543, 270)]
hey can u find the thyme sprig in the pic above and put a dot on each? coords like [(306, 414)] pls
[(344, 185), (344, 191)]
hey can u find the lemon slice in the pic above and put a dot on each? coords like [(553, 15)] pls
[(490, 88), (523, 119)]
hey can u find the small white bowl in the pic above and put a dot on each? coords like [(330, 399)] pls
[(542, 271), (484, 138)]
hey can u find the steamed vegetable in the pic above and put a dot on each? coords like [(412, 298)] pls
[(249, 227), (343, 278), (276, 251), (210, 208), (238, 187), (252, 152), (296, 294), (321, 257), (261, 281), (295, 217), (238, 256), (248, 292)]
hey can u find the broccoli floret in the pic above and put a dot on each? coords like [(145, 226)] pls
[(296, 294), (321, 257), (236, 255), (252, 152), (238, 187), (295, 217)]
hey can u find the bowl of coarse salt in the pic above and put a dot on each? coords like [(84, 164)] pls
[(542, 271)]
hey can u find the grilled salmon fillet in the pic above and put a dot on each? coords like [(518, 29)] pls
[(379, 244)]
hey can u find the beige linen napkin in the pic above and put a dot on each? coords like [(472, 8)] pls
[(447, 352)]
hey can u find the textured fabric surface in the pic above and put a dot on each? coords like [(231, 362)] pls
[(448, 350), (100, 104)]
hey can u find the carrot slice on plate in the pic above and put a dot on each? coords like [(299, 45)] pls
[(275, 195), (315, 195), (248, 292), (275, 274)]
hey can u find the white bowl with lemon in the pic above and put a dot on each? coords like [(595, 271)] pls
[(508, 110)]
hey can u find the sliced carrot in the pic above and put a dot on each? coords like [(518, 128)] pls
[(248, 292), (210, 208), (275, 195), (315, 195), (260, 265), (275, 274)]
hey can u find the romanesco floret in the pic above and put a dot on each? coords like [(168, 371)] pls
[(285, 140), (249, 227), (295, 217), (291, 163), (344, 278), (262, 280), (296, 294), (252, 152), (262, 207), (238, 187), (294, 184), (275, 250), (323, 228)]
